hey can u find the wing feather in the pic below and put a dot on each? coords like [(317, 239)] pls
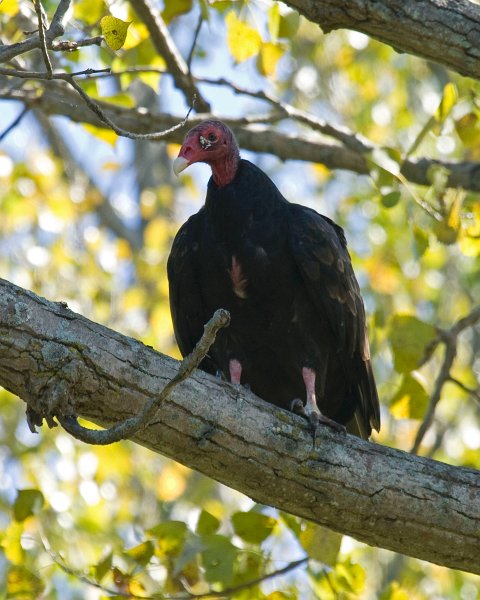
[(320, 251)]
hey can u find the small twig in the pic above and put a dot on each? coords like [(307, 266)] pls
[(94, 107), (41, 33), (41, 75), (12, 125), (194, 42), (70, 46), (130, 426), (475, 393)]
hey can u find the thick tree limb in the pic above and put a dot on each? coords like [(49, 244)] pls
[(59, 100), (62, 363), (445, 31)]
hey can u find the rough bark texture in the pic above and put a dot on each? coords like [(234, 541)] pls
[(60, 362), (445, 31)]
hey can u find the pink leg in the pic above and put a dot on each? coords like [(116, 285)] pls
[(309, 381), (311, 411), (235, 369)]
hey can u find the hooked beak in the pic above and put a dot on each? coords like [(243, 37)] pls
[(180, 164)]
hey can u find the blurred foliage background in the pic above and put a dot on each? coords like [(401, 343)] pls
[(88, 218)]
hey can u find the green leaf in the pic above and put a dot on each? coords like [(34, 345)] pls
[(321, 543), (142, 553), (411, 399), (170, 536), (289, 24), (243, 41), (27, 503), (103, 567), (218, 559), (409, 338), (114, 31), (391, 199), (175, 8), (253, 527), (420, 241), (207, 523)]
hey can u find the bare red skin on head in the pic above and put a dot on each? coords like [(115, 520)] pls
[(213, 143)]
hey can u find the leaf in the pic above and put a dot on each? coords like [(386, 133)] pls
[(253, 527), (274, 21), (268, 58), (89, 11), (394, 592), (448, 101), (410, 401), (243, 41), (114, 31), (409, 338), (27, 503), (106, 135), (207, 523), (218, 559), (9, 7), (321, 543), (175, 8), (289, 24), (23, 584), (420, 241), (103, 567), (170, 536), (142, 553), (391, 199)]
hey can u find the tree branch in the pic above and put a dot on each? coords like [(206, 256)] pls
[(450, 339), (444, 31), (57, 100), (61, 363), (128, 428), (166, 47)]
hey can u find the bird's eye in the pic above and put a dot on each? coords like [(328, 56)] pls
[(212, 137)]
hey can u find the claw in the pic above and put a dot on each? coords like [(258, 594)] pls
[(315, 418)]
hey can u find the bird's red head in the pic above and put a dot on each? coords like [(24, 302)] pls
[(211, 142)]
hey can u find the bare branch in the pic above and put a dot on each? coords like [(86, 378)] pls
[(14, 124), (450, 339), (70, 46), (41, 17), (166, 47), (194, 41), (129, 427)]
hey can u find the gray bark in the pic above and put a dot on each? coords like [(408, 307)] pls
[(61, 363), (444, 31)]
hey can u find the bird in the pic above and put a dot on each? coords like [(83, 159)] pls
[(297, 335)]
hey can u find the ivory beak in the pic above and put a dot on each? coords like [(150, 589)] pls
[(179, 164)]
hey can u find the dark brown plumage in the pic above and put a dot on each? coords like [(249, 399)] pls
[(297, 335)]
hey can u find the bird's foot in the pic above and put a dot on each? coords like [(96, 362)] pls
[(315, 418)]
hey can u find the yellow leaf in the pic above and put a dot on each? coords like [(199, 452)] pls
[(106, 135), (111, 165), (269, 57), (9, 7), (114, 31), (88, 11), (243, 41)]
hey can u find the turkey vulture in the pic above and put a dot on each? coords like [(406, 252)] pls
[(297, 335)]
